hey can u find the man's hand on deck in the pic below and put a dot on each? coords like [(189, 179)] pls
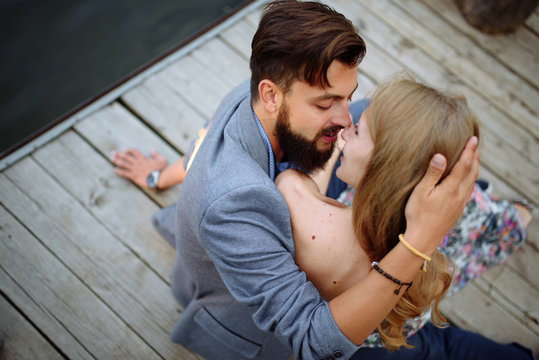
[(434, 208), (134, 166)]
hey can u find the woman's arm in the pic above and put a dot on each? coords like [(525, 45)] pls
[(430, 212), (171, 175), (136, 167)]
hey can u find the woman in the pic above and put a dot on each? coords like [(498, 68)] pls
[(385, 156)]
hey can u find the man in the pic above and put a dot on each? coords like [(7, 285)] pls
[(234, 271)]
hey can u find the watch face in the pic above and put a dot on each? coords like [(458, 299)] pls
[(151, 180)]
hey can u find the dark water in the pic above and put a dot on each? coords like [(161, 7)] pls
[(57, 54)]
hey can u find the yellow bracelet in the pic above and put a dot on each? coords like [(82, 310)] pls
[(415, 252)]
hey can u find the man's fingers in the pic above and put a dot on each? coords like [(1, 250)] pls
[(466, 163), (461, 178), (434, 172), (473, 174)]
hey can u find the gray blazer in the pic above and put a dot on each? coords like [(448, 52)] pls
[(234, 271)]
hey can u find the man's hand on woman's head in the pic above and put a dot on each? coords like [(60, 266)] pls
[(134, 166), (433, 208)]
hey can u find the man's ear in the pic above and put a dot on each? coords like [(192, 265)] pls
[(270, 95)]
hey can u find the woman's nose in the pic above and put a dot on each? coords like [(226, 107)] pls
[(345, 133)]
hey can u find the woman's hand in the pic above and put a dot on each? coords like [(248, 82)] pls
[(434, 208), (134, 166)]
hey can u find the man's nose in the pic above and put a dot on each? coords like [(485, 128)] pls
[(343, 118)]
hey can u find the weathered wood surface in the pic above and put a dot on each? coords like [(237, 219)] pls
[(84, 275)]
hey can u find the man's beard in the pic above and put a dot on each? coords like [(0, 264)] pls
[(299, 150)]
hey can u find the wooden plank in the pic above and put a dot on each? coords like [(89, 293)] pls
[(474, 310), (124, 210), (135, 293), (525, 264), (165, 104), (239, 37), (533, 22), (177, 109), (20, 339), (197, 85), (67, 302), (515, 292), (41, 318), (516, 137), (518, 51), (501, 159), (223, 61), (458, 53), (254, 16), (169, 115), (365, 87), (114, 128)]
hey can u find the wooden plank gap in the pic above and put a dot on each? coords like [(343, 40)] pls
[(509, 306), (98, 220), (115, 129), (145, 121), (21, 338)]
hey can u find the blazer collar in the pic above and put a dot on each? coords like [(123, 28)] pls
[(249, 135)]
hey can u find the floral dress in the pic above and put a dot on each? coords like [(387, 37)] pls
[(487, 232)]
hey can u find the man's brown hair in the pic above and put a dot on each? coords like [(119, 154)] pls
[(298, 40)]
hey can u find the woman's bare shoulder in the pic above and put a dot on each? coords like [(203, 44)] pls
[(299, 188), (294, 180)]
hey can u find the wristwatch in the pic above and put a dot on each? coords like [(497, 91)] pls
[(153, 178)]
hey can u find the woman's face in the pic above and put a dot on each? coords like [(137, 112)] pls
[(356, 152)]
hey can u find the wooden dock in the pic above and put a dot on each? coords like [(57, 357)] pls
[(83, 275)]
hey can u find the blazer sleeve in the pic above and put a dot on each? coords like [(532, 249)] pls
[(247, 234)]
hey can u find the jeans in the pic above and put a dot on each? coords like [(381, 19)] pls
[(452, 343)]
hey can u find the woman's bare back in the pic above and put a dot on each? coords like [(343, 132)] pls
[(326, 247)]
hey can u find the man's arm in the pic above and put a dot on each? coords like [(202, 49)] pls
[(247, 234)]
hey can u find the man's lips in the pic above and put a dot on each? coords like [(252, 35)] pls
[(331, 136)]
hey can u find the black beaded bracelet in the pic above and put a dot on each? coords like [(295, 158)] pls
[(375, 266)]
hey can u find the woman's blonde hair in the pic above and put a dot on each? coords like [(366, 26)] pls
[(409, 122)]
